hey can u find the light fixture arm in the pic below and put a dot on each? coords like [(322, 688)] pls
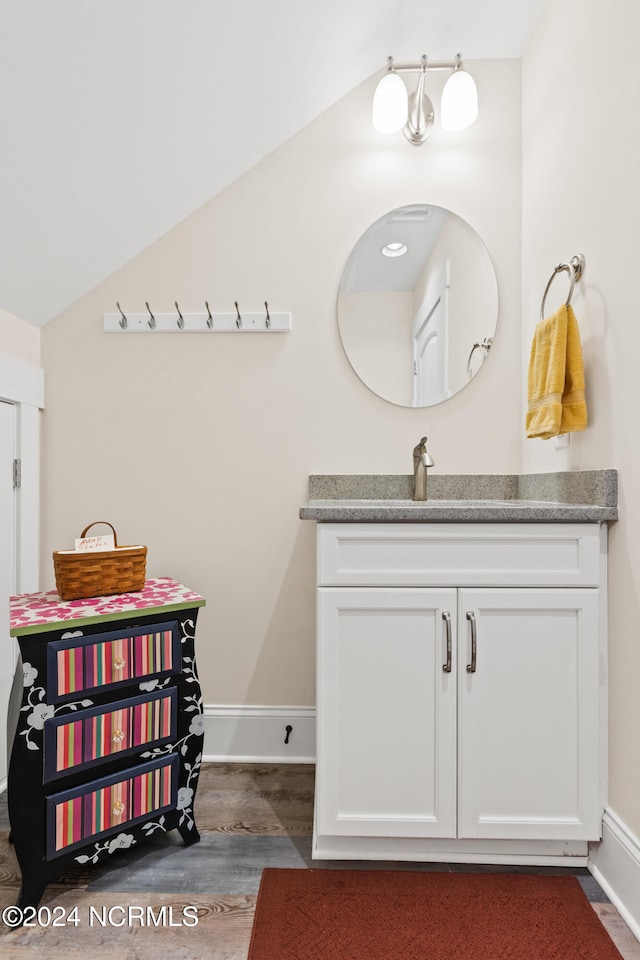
[(420, 117)]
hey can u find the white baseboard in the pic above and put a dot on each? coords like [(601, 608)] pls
[(615, 863), (256, 734), (3, 784)]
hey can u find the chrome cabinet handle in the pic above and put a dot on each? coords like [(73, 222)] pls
[(471, 667), (447, 620)]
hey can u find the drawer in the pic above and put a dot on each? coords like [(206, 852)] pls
[(88, 737), (110, 804), (101, 661), (479, 554)]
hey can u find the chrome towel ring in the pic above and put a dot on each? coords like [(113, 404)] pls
[(575, 269)]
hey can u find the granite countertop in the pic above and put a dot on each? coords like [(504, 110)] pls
[(588, 496)]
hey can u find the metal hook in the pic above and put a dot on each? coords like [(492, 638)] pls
[(239, 318), (578, 264), (268, 318), (209, 318), (152, 321), (180, 317), (124, 322)]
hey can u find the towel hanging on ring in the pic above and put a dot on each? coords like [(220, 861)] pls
[(556, 388)]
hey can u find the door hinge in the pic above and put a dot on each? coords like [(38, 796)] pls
[(17, 473)]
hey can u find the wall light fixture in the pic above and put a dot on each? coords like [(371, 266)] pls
[(394, 109)]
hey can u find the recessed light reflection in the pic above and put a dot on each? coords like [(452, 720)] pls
[(394, 250)]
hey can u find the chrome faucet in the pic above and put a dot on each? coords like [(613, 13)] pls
[(421, 462)]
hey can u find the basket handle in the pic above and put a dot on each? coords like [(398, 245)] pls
[(95, 522)]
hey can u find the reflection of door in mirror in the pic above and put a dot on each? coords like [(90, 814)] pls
[(430, 335)]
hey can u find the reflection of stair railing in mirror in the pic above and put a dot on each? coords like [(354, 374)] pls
[(485, 346), (430, 341)]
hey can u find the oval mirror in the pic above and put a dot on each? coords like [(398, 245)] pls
[(418, 305)]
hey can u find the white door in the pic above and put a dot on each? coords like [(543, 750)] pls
[(7, 567), (528, 714), (386, 750), (430, 334)]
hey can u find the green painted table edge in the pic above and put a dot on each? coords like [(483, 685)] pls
[(30, 629)]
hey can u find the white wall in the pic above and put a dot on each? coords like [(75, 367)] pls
[(375, 329), (581, 156), (201, 447), (19, 339)]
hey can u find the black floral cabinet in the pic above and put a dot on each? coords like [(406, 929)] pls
[(106, 725)]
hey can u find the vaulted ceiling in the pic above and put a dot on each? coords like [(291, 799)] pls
[(118, 118)]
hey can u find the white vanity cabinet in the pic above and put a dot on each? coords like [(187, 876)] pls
[(461, 690)]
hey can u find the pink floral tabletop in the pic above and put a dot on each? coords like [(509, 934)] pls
[(37, 609)]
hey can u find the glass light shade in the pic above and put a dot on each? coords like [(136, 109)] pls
[(390, 104), (459, 105)]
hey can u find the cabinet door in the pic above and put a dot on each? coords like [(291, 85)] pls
[(529, 714), (386, 749)]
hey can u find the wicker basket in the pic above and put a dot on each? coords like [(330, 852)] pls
[(99, 573)]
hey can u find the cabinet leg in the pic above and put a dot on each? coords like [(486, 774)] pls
[(31, 892), (189, 835)]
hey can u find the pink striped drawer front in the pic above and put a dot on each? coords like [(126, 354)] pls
[(99, 734), (101, 660), (111, 804)]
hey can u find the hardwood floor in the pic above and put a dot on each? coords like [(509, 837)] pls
[(250, 816)]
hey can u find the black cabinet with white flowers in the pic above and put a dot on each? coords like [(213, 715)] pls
[(106, 726)]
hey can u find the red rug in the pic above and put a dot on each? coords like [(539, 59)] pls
[(398, 915)]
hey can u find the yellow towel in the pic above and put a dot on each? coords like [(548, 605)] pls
[(556, 378)]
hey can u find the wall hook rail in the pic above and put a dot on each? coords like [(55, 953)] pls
[(206, 321)]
